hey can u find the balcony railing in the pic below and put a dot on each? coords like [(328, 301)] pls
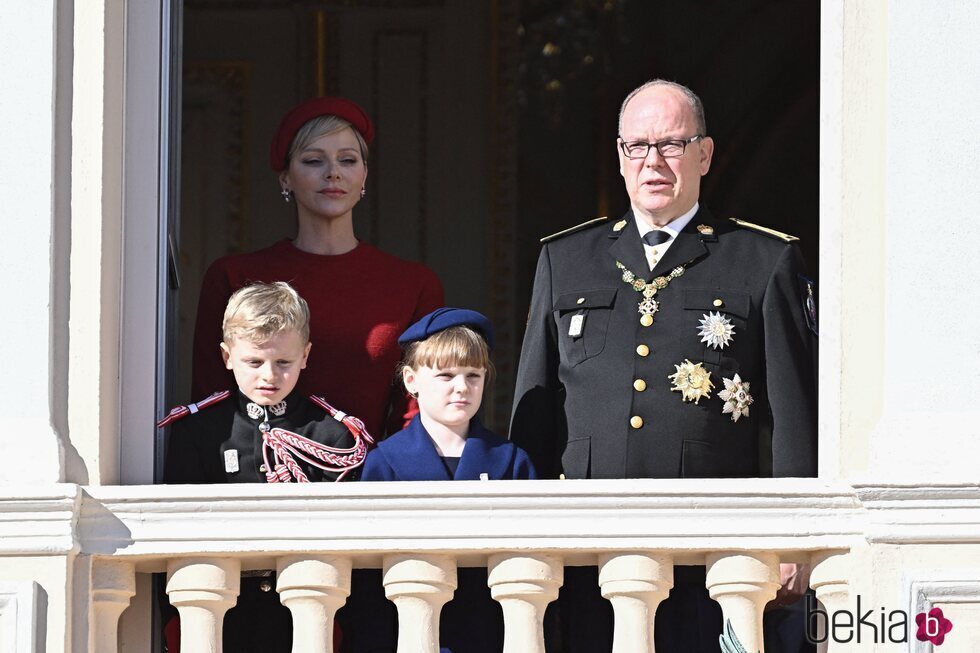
[(524, 532)]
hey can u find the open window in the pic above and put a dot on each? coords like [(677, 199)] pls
[(472, 102)]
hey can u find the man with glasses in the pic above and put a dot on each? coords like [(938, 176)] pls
[(668, 344)]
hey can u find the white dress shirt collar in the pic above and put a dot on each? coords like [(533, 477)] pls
[(674, 227)]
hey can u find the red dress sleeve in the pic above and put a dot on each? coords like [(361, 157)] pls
[(403, 406), (209, 372)]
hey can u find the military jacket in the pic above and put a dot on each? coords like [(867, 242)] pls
[(222, 442), (594, 396)]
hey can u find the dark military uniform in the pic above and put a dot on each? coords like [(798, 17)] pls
[(598, 403), (220, 440), (594, 398), (223, 443)]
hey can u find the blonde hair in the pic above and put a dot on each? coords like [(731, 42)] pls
[(321, 126), (457, 346), (261, 311)]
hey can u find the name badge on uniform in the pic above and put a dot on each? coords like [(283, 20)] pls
[(231, 461), (576, 325)]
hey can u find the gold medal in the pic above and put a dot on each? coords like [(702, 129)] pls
[(692, 381), (736, 397)]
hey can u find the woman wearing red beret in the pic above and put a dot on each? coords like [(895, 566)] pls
[(360, 298)]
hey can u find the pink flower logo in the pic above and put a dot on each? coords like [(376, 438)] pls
[(933, 626)]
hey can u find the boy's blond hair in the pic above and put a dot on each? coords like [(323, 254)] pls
[(458, 346), (261, 311)]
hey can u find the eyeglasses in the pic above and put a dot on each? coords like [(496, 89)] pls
[(668, 149)]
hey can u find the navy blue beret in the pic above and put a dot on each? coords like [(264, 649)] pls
[(444, 318)]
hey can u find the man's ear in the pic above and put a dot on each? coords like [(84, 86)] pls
[(306, 355), (707, 149), (226, 355)]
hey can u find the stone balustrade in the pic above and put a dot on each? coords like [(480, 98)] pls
[(525, 533), (314, 587)]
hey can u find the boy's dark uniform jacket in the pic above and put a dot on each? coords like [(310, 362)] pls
[(198, 442), (199, 437), (575, 395)]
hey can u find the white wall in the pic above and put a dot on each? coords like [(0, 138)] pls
[(28, 187), (931, 423)]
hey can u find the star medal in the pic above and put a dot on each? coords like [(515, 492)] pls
[(737, 398), (692, 381), (716, 330)]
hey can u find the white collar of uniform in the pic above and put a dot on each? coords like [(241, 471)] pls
[(673, 228)]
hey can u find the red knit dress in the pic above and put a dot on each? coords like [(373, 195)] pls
[(360, 302)]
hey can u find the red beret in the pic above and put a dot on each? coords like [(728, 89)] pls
[(303, 113)]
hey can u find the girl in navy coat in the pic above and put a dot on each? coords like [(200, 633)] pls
[(446, 364)]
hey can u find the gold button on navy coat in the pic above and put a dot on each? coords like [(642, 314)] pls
[(575, 401)]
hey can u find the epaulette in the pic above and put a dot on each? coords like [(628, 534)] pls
[(183, 411), (572, 230), (765, 230)]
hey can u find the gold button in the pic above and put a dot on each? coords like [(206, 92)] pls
[(581, 300), (646, 320), (636, 421), (643, 350), (639, 385), (718, 302)]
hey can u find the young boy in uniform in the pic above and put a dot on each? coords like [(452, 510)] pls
[(265, 432)]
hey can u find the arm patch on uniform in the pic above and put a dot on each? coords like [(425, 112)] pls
[(808, 291)]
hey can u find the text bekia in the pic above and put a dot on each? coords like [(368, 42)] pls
[(878, 626)]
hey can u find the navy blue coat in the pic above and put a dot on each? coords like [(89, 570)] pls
[(410, 455), (472, 622)]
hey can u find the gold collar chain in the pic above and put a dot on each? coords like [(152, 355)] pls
[(648, 306)]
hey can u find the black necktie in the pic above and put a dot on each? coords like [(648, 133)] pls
[(656, 237)]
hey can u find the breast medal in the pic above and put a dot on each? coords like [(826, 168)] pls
[(736, 397), (716, 330), (692, 381)]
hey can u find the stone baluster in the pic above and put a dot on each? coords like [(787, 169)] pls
[(419, 585), (743, 583), (635, 584), (203, 590), (113, 585), (313, 588), (830, 580), (524, 585)]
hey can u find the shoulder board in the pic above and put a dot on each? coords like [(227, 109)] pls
[(571, 230), (183, 411), (765, 230)]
